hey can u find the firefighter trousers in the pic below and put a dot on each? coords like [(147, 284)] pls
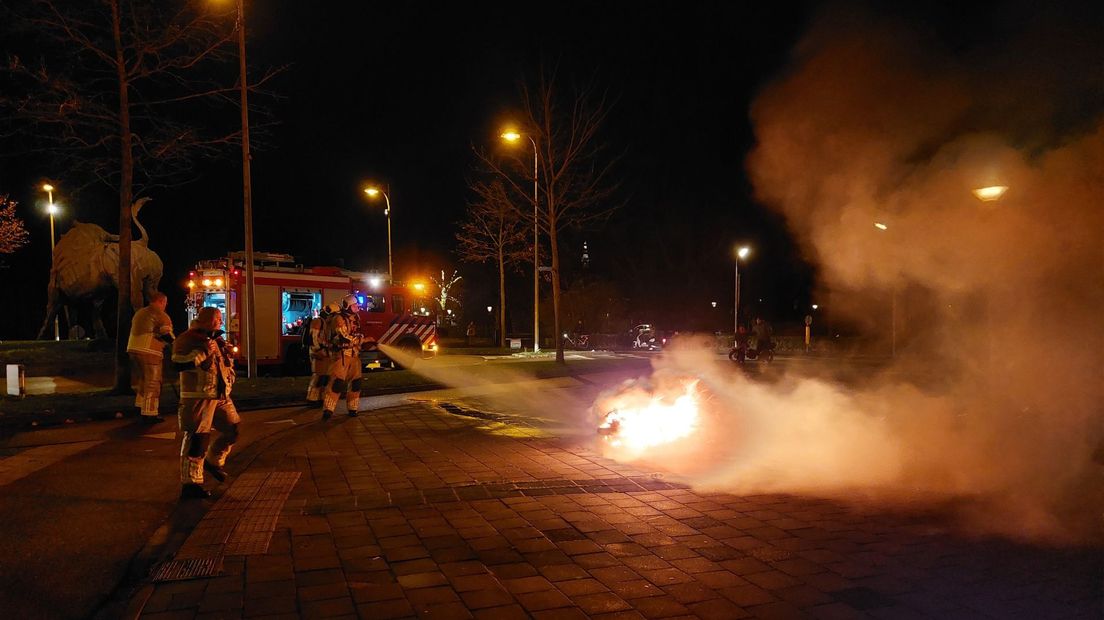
[(345, 378), (320, 377), (147, 375), (197, 418)]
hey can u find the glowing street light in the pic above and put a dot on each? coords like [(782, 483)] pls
[(990, 193), (52, 209), (880, 226), (741, 252), (374, 192), (511, 135)]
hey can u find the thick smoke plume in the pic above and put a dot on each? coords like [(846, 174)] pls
[(876, 123)]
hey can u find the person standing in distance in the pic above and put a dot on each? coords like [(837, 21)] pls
[(150, 331), (206, 378), (342, 337)]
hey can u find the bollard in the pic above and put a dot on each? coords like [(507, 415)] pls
[(17, 380)]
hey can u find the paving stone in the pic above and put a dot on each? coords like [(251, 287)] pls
[(422, 580), (516, 570), (546, 599), (772, 580), (527, 584), (600, 602), (321, 592), (422, 597), (491, 597), (269, 605), (319, 577), (635, 589), (563, 613), (386, 610), (578, 587), (508, 612), (591, 561), (370, 592), (748, 596), (659, 607), (563, 572)]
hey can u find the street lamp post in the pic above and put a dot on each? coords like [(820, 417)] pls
[(741, 252), (51, 208), (882, 226), (513, 136), (372, 193), (247, 203)]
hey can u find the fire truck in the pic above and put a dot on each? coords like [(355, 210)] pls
[(289, 295)]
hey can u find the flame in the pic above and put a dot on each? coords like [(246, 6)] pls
[(637, 426)]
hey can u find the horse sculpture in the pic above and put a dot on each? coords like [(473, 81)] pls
[(86, 266)]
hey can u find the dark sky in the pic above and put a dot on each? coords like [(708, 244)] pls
[(401, 92)]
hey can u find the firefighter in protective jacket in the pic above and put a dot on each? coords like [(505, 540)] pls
[(319, 354), (150, 329), (341, 334), (206, 378)]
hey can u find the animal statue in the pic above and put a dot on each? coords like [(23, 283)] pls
[(86, 266)]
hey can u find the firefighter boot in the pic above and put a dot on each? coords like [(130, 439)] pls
[(193, 491), (218, 473)]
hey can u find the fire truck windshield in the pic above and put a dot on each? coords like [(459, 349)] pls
[(372, 303), (217, 300)]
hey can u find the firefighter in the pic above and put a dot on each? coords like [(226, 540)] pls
[(319, 354), (206, 378), (150, 330), (342, 336)]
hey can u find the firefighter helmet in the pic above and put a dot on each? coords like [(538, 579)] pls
[(331, 308), (349, 302)]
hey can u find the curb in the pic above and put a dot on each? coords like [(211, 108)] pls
[(12, 425)]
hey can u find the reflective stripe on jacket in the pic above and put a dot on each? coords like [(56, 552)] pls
[(146, 329)]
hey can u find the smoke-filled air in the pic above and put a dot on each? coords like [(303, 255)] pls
[(993, 403)]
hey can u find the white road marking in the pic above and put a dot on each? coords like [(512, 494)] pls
[(28, 461)]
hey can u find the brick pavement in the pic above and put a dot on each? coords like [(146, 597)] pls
[(414, 511)]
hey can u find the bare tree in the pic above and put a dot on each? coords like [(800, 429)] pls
[(13, 235), (444, 298), (493, 231), (114, 91), (575, 179)]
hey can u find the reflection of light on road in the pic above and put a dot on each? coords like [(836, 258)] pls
[(640, 421)]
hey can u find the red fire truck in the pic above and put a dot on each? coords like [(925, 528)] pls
[(289, 295)]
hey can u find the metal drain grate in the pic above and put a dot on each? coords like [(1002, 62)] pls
[(196, 568)]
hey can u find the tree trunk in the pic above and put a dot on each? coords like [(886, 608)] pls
[(501, 298), (556, 285), (126, 161)]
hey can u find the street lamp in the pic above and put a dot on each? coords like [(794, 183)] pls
[(52, 208), (247, 202), (373, 192), (513, 136), (741, 252), (990, 193)]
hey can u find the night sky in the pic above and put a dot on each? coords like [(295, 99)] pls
[(400, 93)]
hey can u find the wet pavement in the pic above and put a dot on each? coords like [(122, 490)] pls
[(424, 510)]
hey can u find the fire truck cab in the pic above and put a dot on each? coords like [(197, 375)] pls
[(289, 295)]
